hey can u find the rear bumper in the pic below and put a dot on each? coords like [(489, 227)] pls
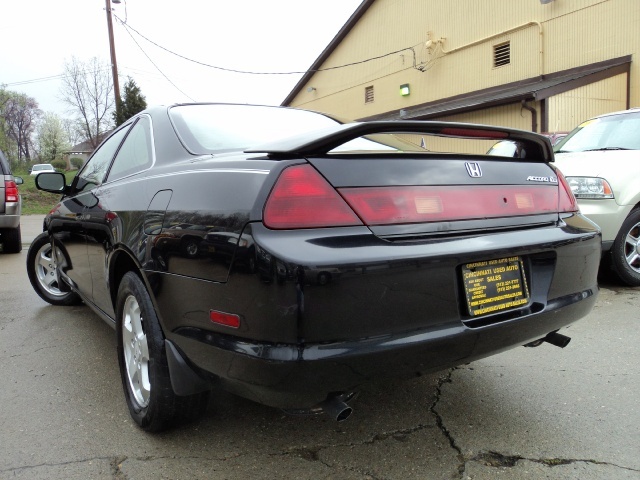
[(294, 376), (11, 217), (325, 312)]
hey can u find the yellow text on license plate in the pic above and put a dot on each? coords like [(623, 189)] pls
[(495, 285)]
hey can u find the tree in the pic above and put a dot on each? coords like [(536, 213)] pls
[(52, 140), (87, 89), (19, 114), (73, 130), (131, 103)]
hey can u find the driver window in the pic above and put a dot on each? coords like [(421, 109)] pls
[(94, 171)]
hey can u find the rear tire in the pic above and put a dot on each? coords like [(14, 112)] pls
[(43, 264), (625, 253), (12, 240), (142, 358)]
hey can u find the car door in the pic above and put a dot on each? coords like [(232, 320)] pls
[(70, 226), (116, 198)]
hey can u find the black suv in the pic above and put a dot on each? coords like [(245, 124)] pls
[(10, 206)]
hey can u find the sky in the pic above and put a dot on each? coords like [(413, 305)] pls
[(39, 36)]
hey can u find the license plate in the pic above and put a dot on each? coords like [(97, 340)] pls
[(495, 285)]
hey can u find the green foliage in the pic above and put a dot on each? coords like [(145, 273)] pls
[(132, 102), (59, 164), (76, 162), (52, 139), (19, 116), (34, 201)]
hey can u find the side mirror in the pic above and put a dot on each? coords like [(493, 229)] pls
[(18, 180), (51, 182)]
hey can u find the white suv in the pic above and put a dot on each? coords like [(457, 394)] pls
[(601, 161)]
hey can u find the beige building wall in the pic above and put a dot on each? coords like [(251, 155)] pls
[(544, 38), (569, 109)]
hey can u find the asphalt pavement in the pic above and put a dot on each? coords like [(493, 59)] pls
[(31, 227), (528, 413)]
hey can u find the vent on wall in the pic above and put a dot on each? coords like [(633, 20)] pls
[(502, 54), (368, 94)]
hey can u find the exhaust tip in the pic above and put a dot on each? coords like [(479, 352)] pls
[(557, 339), (337, 409)]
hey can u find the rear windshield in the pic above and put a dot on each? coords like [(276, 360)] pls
[(216, 128), (614, 132), (219, 128)]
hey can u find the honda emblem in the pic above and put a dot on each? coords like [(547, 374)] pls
[(473, 169)]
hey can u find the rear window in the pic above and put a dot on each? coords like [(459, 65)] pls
[(218, 128)]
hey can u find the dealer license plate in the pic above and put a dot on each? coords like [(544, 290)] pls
[(495, 285)]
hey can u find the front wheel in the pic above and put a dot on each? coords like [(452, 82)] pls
[(143, 362), (43, 266), (625, 253)]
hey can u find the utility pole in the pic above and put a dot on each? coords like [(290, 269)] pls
[(112, 48)]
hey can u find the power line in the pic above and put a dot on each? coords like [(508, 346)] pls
[(153, 63), (34, 80), (60, 76), (249, 72)]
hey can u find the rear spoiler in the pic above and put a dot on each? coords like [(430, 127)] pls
[(319, 142)]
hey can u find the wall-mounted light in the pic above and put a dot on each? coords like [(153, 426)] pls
[(405, 90)]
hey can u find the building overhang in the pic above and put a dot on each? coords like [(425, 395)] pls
[(531, 89)]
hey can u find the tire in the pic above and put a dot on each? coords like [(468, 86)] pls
[(190, 248), (43, 265), (12, 240), (625, 253), (142, 358)]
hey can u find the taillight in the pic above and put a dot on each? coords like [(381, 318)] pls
[(302, 198), (395, 205), (10, 191), (567, 202)]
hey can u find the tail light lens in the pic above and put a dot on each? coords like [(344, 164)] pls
[(567, 202), (302, 198), (10, 191), (395, 205)]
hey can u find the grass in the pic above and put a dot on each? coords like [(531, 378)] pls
[(34, 201)]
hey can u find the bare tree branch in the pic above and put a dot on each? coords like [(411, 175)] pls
[(87, 89)]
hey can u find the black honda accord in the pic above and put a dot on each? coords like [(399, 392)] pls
[(289, 258)]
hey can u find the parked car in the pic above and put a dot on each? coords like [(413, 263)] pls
[(40, 168), (369, 260), (601, 159), (10, 209)]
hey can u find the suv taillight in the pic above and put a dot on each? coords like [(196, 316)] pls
[(10, 191)]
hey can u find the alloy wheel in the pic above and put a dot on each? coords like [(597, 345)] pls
[(47, 261), (136, 351)]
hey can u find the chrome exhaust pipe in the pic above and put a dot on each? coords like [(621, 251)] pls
[(336, 408), (557, 339)]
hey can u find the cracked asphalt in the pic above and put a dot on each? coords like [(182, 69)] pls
[(529, 413)]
